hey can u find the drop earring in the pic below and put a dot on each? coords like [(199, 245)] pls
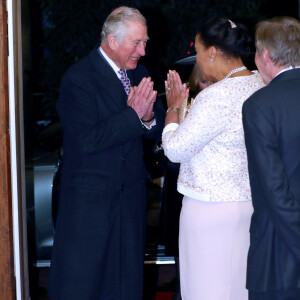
[(211, 60)]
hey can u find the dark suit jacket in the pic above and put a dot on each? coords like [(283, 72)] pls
[(99, 241), (271, 119)]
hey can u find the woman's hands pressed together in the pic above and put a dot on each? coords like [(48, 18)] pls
[(176, 92)]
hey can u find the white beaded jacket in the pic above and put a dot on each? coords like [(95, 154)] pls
[(209, 143)]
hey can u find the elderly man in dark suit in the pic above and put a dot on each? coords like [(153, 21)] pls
[(271, 120), (100, 230)]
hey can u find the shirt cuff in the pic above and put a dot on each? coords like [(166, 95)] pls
[(149, 127), (170, 127)]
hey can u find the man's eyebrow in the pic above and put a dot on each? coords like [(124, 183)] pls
[(146, 39)]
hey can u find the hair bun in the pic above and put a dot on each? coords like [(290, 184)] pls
[(227, 35)]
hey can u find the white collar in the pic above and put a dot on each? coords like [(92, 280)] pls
[(110, 62), (287, 69)]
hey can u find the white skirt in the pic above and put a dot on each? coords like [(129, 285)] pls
[(213, 247)]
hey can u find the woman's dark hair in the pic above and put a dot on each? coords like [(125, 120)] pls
[(227, 35)]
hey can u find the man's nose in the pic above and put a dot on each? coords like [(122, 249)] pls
[(142, 49)]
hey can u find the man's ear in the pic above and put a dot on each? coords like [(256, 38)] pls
[(266, 57), (112, 42)]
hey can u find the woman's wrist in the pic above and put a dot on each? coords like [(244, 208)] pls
[(176, 109)]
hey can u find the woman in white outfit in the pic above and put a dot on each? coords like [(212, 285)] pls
[(209, 144)]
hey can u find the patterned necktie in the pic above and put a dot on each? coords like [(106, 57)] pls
[(125, 81)]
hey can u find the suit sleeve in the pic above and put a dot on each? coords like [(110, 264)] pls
[(269, 181), (78, 110), (160, 114)]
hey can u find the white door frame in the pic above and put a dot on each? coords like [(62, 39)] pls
[(15, 85)]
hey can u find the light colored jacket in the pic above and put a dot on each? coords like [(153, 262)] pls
[(209, 143)]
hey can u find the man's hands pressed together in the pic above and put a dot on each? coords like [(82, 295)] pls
[(142, 98)]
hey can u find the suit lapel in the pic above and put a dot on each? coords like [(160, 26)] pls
[(107, 74), (134, 79), (116, 89)]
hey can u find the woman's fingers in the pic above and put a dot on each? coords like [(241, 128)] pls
[(174, 81), (176, 92), (178, 79)]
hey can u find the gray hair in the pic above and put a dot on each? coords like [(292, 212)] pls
[(116, 22), (281, 37)]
